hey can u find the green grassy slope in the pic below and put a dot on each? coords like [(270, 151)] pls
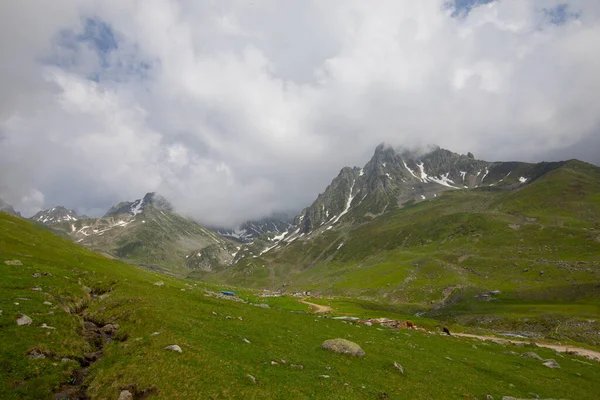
[(215, 362)]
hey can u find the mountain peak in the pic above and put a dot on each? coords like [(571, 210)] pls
[(133, 208), (55, 215)]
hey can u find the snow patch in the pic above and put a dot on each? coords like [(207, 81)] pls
[(389, 176), (522, 179), (361, 173), (486, 174), (423, 197), (463, 174), (423, 174), (410, 170), (348, 202), (444, 180), (340, 245)]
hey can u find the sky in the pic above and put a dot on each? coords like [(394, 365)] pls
[(237, 109)]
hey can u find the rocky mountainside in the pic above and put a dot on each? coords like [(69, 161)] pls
[(7, 208), (56, 215), (147, 232), (392, 179), (276, 224)]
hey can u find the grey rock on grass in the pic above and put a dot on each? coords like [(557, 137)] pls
[(24, 320), (125, 395), (551, 363), (531, 354), (343, 346), (174, 347)]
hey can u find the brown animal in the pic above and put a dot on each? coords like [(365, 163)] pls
[(410, 325)]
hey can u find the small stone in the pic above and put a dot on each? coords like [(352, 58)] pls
[(24, 320), (252, 379), (65, 360), (274, 362), (448, 358), (531, 354), (36, 275), (47, 274), (36, 289), (475, 347), (46, 326), (174, 347), (182, 289), (125, 395), (240, 318), (155, 333), (262, 305), (324, 376), (399, 367), (368, 323), (47, 303), (228, 317), (214, 313), (296, 366), (13, 262), (489, 397), (245, 340), (159, 283), (551, 363)]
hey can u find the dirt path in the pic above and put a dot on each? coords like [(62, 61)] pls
[(587, 353), (316, 308)]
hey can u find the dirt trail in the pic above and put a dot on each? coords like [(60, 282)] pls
[(316, 308), (587, 353)]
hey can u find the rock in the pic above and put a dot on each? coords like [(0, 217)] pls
[(274, 362), (399, 367), (109, 329), (324, 376), (159, 283), (228, 317), (92, 357), (89, 325), (125, 395), (343, 346), (65, 360), (489, 397), (155, 333), (245, 340), (46, 326), (36, 275), (214, 313), (47, 303), (531, 354), (475, 347), (551, 363), (252, 379), (296, 366), (24, 320), (13, 262), (174, 347), (36, 354), (262, 305), (240, 318), (495, 292), (36, 289), (368, 323), (0, 312)]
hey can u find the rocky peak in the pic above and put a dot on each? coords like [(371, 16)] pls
[(133, 208), (7, 208), (55, 215)]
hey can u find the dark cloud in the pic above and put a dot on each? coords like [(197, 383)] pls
[(237, 109)]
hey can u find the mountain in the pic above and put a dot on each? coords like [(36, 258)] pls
[(147, 232), (56, 215), (531, 231), (276, 224), (7, 208), (393, 178)]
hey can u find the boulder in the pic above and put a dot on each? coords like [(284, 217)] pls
[(24, 320), (174, 347), (159, 283), (343, 346), (531, 354), (125, 395), (551, 363), (13, 262), (399, 367)]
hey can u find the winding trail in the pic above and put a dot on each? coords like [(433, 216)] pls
[(587, 353), (316, 308)]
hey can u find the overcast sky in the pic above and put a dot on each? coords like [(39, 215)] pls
[(236, 109)]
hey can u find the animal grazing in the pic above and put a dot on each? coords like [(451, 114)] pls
[(446, 331)]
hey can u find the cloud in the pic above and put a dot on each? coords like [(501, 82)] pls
[(238, 109)]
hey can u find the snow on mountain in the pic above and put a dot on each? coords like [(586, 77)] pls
[(55, 215)]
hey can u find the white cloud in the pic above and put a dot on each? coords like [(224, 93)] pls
[(236, 109)]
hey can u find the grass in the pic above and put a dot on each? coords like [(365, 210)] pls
[(215, 361)]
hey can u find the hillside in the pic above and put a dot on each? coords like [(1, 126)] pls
[(145, 232), (535, 242), (99, 327)]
